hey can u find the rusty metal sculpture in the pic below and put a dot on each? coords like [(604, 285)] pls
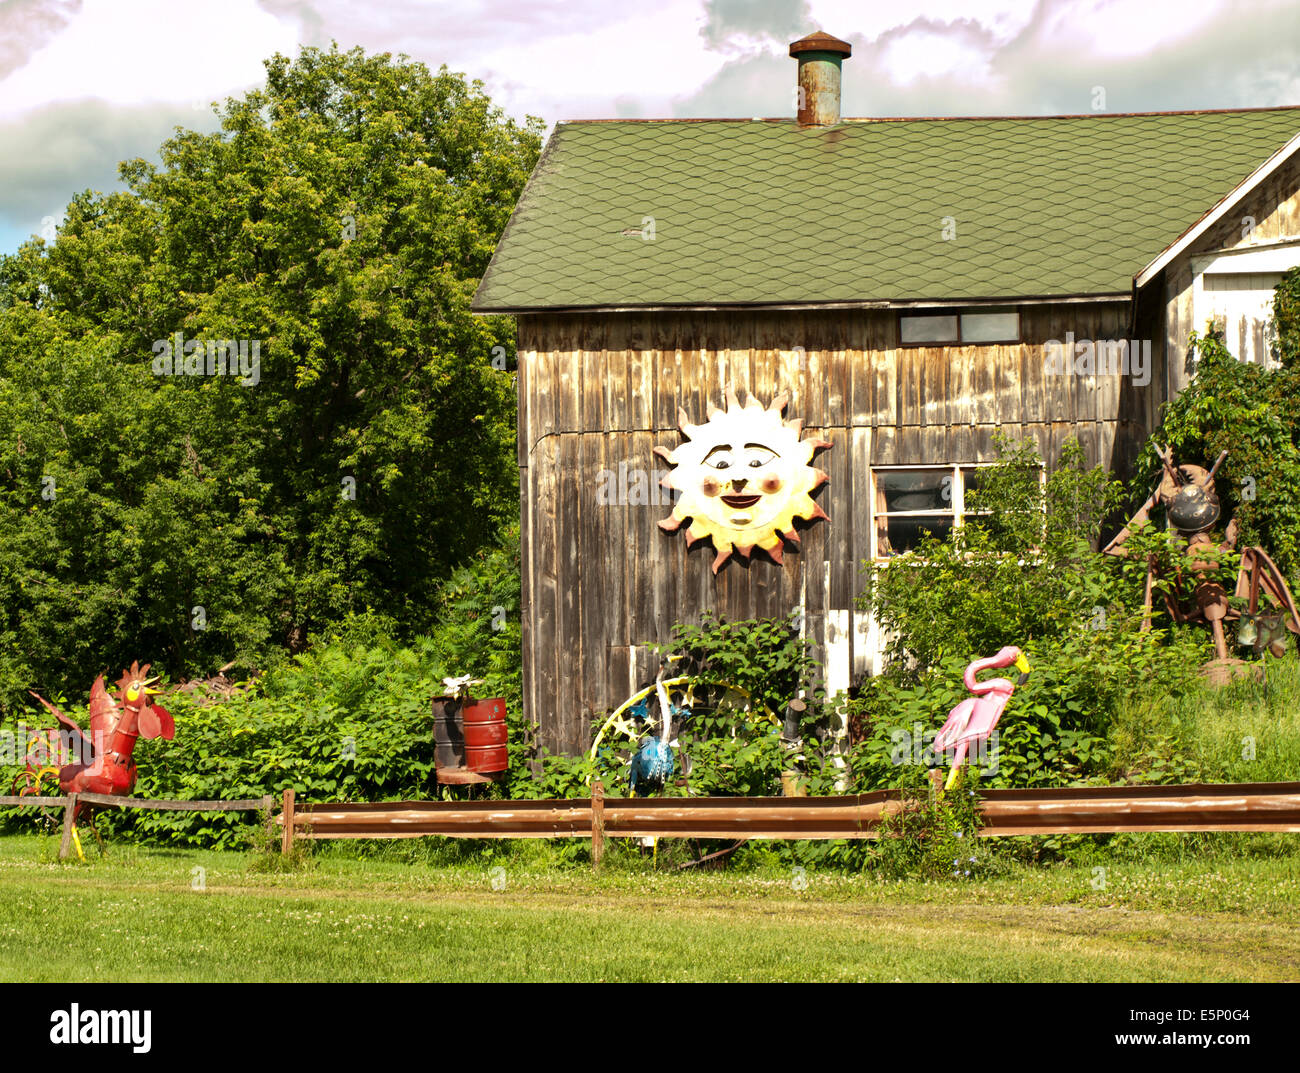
[(99, 762), (1187, 494)]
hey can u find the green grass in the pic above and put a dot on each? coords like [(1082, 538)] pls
[(1126, 907), (1226, 726), (427, 910), (1236, 733)]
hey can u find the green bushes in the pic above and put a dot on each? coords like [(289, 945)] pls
[(1056, 729), (745, 755), (1026, 574), (933, 835), (730, 752), (1250, 412), (1024, 570), (342, 723), (347, 720)]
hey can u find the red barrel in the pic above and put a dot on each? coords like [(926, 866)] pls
[(485, 735)]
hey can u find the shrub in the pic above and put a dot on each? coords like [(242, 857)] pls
[(1024, 570), (933, 835), (1250, 412), (1025, 574), (348, 720)]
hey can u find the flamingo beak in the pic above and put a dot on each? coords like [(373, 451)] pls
[(1022, 663)]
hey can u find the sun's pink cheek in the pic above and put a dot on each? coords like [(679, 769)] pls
[(770, 485), (710, 487)]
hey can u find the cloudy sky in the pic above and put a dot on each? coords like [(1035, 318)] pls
[(86, 83)]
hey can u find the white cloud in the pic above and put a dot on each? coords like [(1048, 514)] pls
[(26, 25), (132, 52), (649, 57), (927, 52), (85, 83)]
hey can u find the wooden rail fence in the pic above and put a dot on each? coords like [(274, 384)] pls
[(1070, 810), (70, 802)]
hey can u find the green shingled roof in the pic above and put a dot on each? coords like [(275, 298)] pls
[(765, 211)]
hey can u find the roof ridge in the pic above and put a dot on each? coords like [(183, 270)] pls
[(940, 118)]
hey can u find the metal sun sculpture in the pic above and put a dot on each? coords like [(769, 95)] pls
[(743, 476)]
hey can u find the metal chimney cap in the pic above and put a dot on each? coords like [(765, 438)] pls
[(821, 42)]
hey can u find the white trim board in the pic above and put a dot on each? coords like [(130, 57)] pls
[(1277, 256)]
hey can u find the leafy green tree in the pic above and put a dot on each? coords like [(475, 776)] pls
[(337, 223), (1286, 320)]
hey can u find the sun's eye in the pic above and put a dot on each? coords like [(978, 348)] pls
[(720, 457)]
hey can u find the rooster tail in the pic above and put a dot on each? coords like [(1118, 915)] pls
[(64, 720)]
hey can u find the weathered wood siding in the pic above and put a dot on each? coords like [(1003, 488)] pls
[(604, 582), (1269, 214)]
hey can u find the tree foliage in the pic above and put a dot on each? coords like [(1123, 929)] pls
[(339, 219)]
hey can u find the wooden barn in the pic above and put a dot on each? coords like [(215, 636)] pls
[(910, 286)]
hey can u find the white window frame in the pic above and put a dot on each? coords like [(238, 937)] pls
[(958, 508)]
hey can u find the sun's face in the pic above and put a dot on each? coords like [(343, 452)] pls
[(744, 476)]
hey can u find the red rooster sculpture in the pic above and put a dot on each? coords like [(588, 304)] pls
[(103, 763)]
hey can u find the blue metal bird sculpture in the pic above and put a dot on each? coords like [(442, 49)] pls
[(651, 766), (654, 761)]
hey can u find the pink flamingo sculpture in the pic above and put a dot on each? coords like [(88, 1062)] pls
[(974, 718)]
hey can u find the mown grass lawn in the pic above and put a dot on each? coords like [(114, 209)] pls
[(136, 915)]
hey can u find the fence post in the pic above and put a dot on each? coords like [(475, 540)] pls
[(65, 847), (286, 836), (597, 824)]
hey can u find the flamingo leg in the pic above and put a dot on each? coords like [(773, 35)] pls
[(958, 759)]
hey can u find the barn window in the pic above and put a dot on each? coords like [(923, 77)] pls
[(909, 501), (984, 326), (1001, 327), (917, 331)]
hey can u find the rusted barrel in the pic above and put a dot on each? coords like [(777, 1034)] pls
[(448, 733), (485, 735)]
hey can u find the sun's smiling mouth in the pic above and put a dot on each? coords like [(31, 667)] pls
[(740, 502)]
